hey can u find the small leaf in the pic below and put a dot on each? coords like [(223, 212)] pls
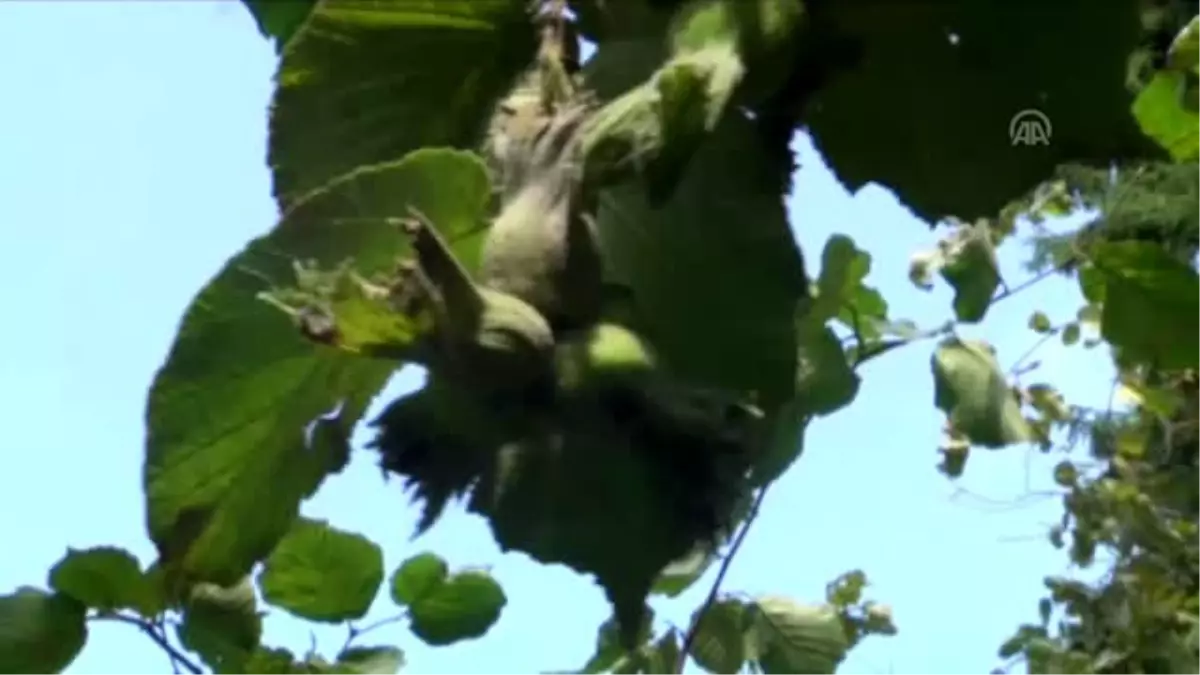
[(719, 645), (922, 266), (681, 574), (970, 388), (321, 573), (105, 578), (1089, 315), (1040, 323), (1065, 474), (825, 382), (1070, 334), (40, 632), (370, 661), (1184, 52), (1044, 608), (843, 268), (972, 270), (417, 577), (222, 625), (662, 656), (463, 607), (846, 590)]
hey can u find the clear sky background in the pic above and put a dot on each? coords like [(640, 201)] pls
[(132, 144)]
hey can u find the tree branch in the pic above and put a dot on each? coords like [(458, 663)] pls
[(176, 656), (724, 569)]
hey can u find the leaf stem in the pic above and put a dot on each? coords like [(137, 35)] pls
[(721, 572), (355, 633), (178, 658)]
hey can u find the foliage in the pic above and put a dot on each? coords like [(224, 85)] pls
[(624, 344)]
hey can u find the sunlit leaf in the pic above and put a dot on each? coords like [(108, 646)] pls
[(241, 430), (795, 638), (719, 642), (321, 573), (970, 388), (107, 579)]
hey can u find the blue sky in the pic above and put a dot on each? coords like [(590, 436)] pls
[(132, 165)]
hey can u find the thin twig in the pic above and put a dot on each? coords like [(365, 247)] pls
[(355, 633), (159, 639), (160, 626), (721, 572), (1009, 292)]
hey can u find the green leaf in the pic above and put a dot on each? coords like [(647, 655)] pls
[(279, 19), (679, 576), (742, 282), (222, 625), (1150, 309), (321, 573), (825, 382), (662, 656), (1184, 53), (363, 83), (794, 638), (1071, 333), (40, 632), (228, 457), (1162, 116), (970, 267), (934, 150), (608, 644), (273, 661), (463, 607), (106, 578), (1040, 323), (657, 127), (970, 388), (784, 444), (719, 645), (370, 661), (418, 576)]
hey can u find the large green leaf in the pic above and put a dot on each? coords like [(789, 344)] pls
[(228, 457), (970, 388), (279, 19), (365, 82), (719, 645), (952, 77), (40, 632), (793, 638), (222, 625), (321, 573), (106, 578), (715, 256), (1151, 306), (1161, 112), (714, 271)]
